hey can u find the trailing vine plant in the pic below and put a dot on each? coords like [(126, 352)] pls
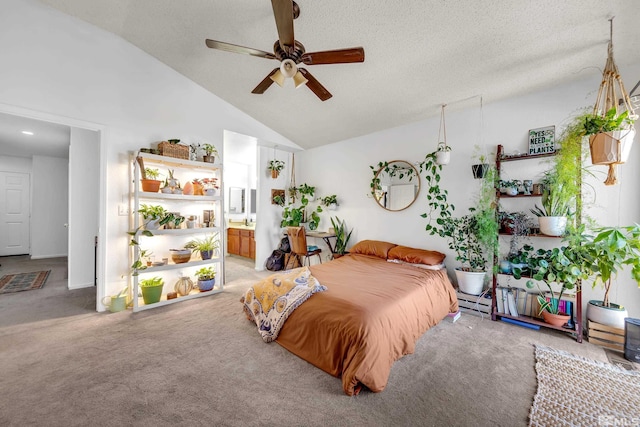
[(471, 236), (393, 170)]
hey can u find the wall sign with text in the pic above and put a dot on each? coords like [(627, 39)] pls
[(542, 140)]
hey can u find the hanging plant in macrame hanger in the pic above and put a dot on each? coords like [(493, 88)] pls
[(443, 153), (610, 127)]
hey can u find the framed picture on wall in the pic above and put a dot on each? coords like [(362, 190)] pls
[(542, 140)]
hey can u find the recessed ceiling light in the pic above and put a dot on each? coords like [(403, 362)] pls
[(26, 132)]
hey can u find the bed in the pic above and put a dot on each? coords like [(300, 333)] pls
[(372, 312)]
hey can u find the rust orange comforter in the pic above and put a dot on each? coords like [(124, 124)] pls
[(372, 314)]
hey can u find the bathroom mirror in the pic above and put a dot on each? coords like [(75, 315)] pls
[(236, 200), (396, 185)]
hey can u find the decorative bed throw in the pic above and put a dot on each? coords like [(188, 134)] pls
[(269, 302)]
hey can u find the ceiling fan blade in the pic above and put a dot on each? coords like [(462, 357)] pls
[(283, 12), (339, 56), (214, 44), (264, 84), (315, 85)]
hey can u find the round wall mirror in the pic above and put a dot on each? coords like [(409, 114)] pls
[(396, 185)]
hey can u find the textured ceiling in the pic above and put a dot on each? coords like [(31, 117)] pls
[(418, 53)]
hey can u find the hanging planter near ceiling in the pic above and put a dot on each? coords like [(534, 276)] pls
[(610, 126), (275, 166), (443, 153)]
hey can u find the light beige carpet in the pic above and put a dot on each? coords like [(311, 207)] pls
[(574, 391)]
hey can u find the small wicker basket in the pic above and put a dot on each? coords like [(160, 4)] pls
[(178, 151)]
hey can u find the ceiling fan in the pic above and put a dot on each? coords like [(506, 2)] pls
[(291, 52)]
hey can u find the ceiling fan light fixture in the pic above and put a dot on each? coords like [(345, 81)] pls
[(288, 68), (299, 79), (278, 77)]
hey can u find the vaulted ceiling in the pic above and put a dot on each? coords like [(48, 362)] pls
[(418, 53)]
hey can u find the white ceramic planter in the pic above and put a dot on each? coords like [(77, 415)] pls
[(611, 316), (470, 282), (512, 191), (443, 157), (553, 225)]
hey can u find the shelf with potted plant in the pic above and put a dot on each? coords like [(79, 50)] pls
[(561, 197), (191, 197)]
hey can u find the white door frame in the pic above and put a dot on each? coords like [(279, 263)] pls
[(67, 121)]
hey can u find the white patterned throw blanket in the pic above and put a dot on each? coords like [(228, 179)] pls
[(269, 302)]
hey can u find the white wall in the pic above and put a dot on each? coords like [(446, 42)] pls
[(15, 164), (84, 205), (268, 232), (343, 168), (67, 68), (49, 207)]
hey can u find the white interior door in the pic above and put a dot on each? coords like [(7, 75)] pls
[(14, 213)]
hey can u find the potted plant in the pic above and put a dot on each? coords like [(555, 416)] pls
[(150, 180), (275, 166), (294, 216), (558, 265), (278, 199), (510, 187), (443, 153), (210, 153), (610, 136), (342, 237), (331, 202), (471, 237), (151, 289), (612, 249), (555, 210), (206, 245), (157, 216), (480, 169), (519, 259), (206, 278)]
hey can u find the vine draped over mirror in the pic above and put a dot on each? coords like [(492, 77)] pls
[(395, 185)]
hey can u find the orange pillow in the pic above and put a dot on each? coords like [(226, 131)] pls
[(372, 247), (416, 256)]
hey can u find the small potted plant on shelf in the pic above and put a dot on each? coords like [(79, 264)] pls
[(275, 166), (151, 289), (210, 153), (342, 237), (510, 187), (554, 213), (150, 181), (206, 278), (331, 202), (206, 245)]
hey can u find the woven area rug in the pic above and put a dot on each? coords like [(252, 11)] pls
[(23, 281), (574, 391)]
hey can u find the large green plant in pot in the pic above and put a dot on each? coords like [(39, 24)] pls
[(472, 237), (293, 216), (607, 253)]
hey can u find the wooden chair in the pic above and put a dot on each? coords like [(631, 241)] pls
[(298, 242)]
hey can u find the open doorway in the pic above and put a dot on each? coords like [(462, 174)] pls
[(240, 187), (54, 217)]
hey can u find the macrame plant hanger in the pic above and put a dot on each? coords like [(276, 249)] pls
[(443, 152), (292, 181), (610, 91)]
